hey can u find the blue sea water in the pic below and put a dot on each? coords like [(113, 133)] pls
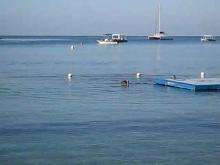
[(47, 119)]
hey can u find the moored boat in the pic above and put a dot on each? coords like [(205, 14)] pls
[(159, 35), (207, 38)]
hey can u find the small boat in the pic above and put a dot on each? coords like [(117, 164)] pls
[(159, 35), (207, 38), (112, 39)]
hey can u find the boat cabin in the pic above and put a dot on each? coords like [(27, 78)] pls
[(119, 38)]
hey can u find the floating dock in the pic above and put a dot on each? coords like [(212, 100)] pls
[(206, 84)]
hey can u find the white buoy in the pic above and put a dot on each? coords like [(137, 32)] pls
[(138, 75), (202, 75), (72, 47), (69, 76)]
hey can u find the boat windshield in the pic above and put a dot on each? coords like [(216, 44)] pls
[(208, 36), (118, 36)]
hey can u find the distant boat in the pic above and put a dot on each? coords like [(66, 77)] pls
[(112, 39), (159, 35), (207, 38)]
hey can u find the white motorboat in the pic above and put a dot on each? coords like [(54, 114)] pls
[(207, 38), (159, 35)]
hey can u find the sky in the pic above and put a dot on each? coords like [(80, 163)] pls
[(96, 17)]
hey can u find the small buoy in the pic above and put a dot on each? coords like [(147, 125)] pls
[(69, 76), (72, 47), (138, 75), (125, 83), (202, 75)]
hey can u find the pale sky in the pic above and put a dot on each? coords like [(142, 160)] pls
[(95, 17)]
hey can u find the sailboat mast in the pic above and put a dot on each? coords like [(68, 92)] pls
[(156, 23), (159, 17)]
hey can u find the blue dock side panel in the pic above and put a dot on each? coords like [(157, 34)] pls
[(208, 87), (208, 84), (160, 81)]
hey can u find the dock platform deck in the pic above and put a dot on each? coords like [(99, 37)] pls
[(206, 84)]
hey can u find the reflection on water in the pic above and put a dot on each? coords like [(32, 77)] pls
[(157, 59)]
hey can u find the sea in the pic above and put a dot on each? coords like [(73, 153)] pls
[(48, 118)]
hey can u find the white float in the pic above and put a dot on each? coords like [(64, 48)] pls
[(202, 75), (138, 75)]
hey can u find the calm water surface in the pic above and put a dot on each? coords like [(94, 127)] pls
[(48, 119)]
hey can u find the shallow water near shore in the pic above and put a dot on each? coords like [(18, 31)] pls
[(47, 118)]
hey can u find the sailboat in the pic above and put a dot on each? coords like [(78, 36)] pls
[(159, 35)]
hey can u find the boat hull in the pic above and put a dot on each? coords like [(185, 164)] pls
[(120, 41), (107, 42), (159, 38), (207, 40), (153, 38)]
